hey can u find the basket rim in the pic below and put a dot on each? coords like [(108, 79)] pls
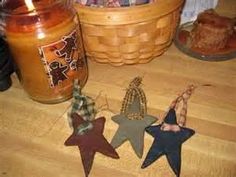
[(126, 15)]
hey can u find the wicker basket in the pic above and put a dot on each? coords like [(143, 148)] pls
[(129, 35)]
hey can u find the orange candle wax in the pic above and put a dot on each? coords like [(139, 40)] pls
[(47, 48)]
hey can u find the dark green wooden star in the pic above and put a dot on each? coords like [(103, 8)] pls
[(167, 143), (131, 130)]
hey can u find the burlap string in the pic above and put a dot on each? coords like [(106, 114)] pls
[(134, 92), (183, 97)]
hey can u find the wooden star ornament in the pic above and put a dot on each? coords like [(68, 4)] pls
[(90, 140), (167, 142), (170, 135), (133, 119), (87, 131)]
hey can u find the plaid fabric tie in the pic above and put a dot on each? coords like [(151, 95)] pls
[(82, 105), (183, 97)]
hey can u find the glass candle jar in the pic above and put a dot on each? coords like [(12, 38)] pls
[(46, 43)]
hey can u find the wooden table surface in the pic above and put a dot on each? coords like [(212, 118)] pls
[(32, 134)]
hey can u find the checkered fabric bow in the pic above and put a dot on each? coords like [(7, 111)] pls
[(82, 105), (87, 132)]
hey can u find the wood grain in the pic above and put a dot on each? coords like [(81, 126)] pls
[(32, 134)]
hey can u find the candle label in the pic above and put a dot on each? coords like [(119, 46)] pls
[(62, 59)]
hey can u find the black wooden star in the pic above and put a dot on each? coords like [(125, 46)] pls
[(167, 143), (88, 136)]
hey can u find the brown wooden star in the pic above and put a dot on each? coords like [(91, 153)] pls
[(88, 136)]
